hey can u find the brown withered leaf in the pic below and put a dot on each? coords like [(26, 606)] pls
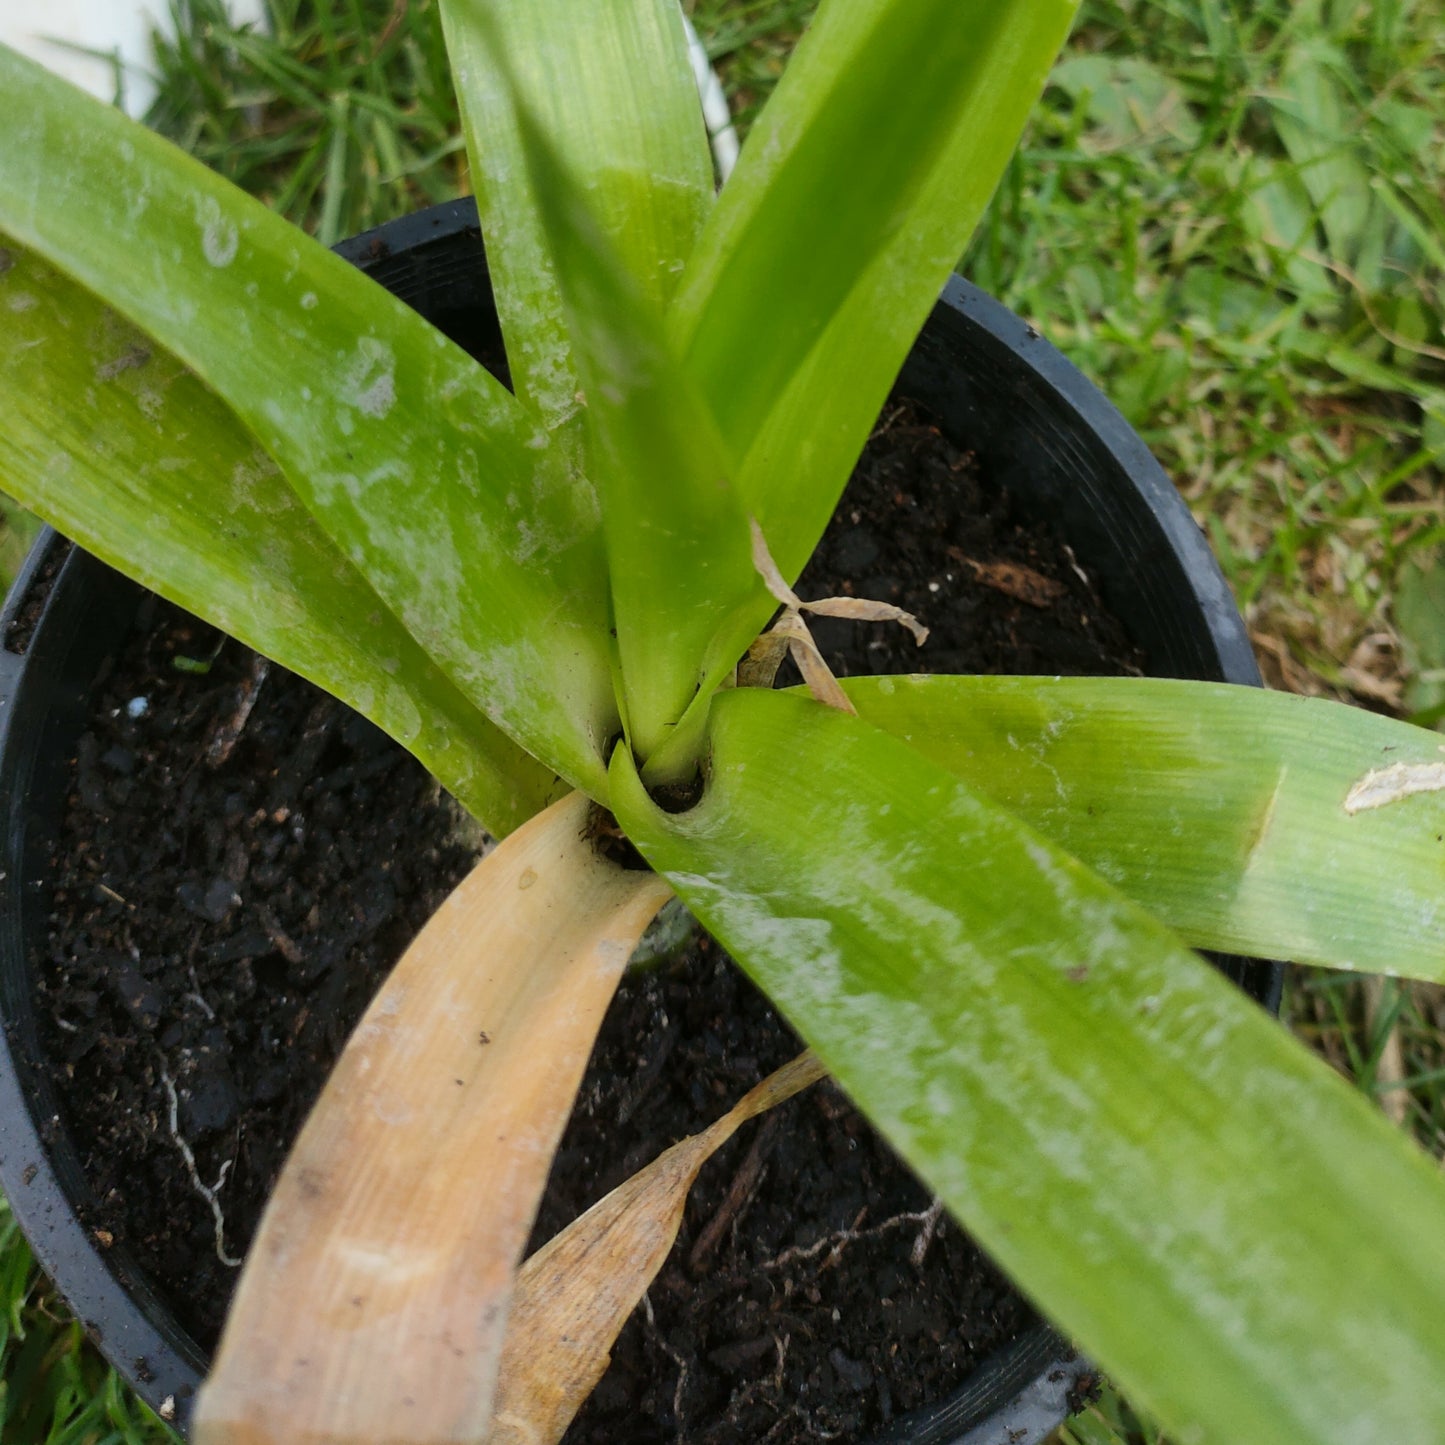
[(1014, 580), (574, 1295)]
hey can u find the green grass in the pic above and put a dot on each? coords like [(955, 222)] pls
[(1234, 220), (341, 118), (1230, 215), (54, 1387)]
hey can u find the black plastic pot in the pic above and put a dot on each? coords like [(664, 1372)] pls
[(1035, 423)]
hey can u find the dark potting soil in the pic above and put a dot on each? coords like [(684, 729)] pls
[(243, 859), (21, 628)]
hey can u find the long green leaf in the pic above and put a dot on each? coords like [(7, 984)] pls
[(113, 441), (686, 596), (419, 465), (612, 86), (1222, 1221), (853, 199), (1227, 811)]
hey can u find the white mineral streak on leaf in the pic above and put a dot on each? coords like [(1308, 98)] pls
[(308, 301), (370, 385), (468, 472), (385, 1265), (219, 238), (403, 719), (1383, 786), (380, 478), (1038, 750), (392, 1109), (755, 927), (528, 543), (378, 398)]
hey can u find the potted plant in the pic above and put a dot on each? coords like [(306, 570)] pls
[(1128, 529), (545, 596)]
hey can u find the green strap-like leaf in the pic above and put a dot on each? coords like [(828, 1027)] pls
[(113, 441), (418, 464), (853, 199), (1233, 813), (612, 86), (686, 595), (1213, 1213)]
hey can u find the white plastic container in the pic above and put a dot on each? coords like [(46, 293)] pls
[(55, 33)]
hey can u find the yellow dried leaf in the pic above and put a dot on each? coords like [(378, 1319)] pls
[(574, 1295)]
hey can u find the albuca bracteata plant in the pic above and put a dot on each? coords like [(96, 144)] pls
[(976, 898)]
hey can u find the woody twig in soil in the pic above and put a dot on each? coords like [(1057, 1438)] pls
[(223, 740), (735, 1202)]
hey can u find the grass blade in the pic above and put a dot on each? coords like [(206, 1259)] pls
[(124, 450), (1315, 121), (415, 461), (852, 201), (1225, 810), (1171, 1177)]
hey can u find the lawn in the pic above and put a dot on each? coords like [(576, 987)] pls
[(1231, 216)]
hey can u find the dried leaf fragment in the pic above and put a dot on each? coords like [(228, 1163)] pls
[(574, 1295), (816, 672), (1382, 786), (768, 569), (1014, 580), (373, 1303), (760, 667), (860, 609), (856, 609), (1373, 670)]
